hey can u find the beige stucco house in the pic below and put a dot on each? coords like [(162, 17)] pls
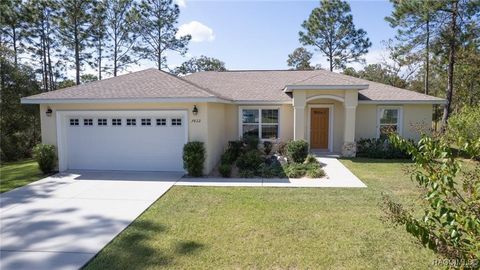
[(140, 121)]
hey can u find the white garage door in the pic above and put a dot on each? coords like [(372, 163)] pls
[(123, 140)]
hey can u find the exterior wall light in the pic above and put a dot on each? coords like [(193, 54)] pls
[(49, 112), (195, 110)]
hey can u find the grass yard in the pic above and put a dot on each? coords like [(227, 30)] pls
[(17, 174), (272, 228)]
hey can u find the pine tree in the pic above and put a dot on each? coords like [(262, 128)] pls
[(300, 59), (121, 33), (12, 23), (331, 30), (99, 33), (156, 21), (202, 63), (75, 25)]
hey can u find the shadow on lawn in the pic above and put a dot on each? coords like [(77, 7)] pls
[(136, 248)]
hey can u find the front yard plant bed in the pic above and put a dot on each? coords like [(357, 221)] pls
[(248, 159)]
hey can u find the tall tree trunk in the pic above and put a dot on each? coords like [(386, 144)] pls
[(14, 41), (44, 57), (451, 64), (50, 69), (100, 59), (427, 56), (77, 56), (115, 53)]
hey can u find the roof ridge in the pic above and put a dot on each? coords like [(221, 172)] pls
[(256, 70), (208, 91)]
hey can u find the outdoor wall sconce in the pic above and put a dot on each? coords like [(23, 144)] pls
[(195, 110), (49, 112)]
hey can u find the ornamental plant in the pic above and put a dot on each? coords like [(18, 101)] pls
[(46, 157), (194, 158), (450, 221)]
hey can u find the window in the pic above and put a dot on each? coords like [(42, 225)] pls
[(389, 120), (146, 122), (161, 122), (116, 122), (176, 121), (262, 123), (102, 122), (131, 122), (88, 122), (74, 122)]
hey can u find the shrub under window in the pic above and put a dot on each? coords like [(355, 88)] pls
[(297, 151)]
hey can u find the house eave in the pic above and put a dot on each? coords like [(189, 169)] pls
[(441, 102), (291, 88), (121, 100)]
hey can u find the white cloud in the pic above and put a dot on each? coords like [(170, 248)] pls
[(197, 30), (181, 3)]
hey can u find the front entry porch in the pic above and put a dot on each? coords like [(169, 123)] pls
[(326, 119)]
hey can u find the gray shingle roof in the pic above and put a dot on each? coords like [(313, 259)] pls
[(261, 85), (268, 85), (149, 83)]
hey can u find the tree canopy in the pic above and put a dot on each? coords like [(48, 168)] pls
[(202, 63)]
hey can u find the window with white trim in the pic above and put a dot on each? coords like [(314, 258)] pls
[(389, 120), (176, 121), (131, 122), (146, 122), (88, 122), (262, 123), (102, 121), (116, 122), (74, 122), (161, 122)]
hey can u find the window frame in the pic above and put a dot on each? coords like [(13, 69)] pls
[(86, 120), (165, 121), (399, 119), (147, 123), (176, 124), (115, 122), (106, 122), (74, 122), (260, 123), (132, 120)]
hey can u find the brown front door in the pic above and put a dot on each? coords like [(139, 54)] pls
[(319, 128)]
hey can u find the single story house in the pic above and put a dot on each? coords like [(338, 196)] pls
[(141, 120)]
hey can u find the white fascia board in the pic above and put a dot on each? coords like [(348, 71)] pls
[(402, 101), (122, 100), (261, 102), (291, 88)]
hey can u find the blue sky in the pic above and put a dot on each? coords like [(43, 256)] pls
[(260, 34)]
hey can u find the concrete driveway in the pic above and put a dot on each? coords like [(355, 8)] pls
[(62, 221)]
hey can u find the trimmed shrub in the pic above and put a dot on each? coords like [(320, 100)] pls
[(297, 151), (298, 170), (267, 147), (225, 169), (193, 158), (310, 159), (281, 148), (379, 148), (228, 157), (46, 157), (235, 147), (274, 169), (251, 161), (251, 142)]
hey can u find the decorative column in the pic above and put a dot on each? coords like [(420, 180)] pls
[(349, 148), (299, 102)]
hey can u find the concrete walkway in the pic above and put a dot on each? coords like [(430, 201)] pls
[(62, 221), (337, 176)]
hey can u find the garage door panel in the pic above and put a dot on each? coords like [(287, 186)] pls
[(149, 148)]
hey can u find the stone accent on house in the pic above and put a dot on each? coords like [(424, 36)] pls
[(349, 149)]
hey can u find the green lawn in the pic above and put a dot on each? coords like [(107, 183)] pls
[(272, 228), (17, 174)]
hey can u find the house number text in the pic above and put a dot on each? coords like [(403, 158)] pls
[(196, 120)]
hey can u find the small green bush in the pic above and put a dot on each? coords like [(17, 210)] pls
[(310, 159), (193, 158), (46, 157), (225, 169), (235, 147), (298, 170), (267, 147), (281, 148), (297, 151), (228, 157), (251, 161), (379, 148), (271, 170), (251, 142)]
